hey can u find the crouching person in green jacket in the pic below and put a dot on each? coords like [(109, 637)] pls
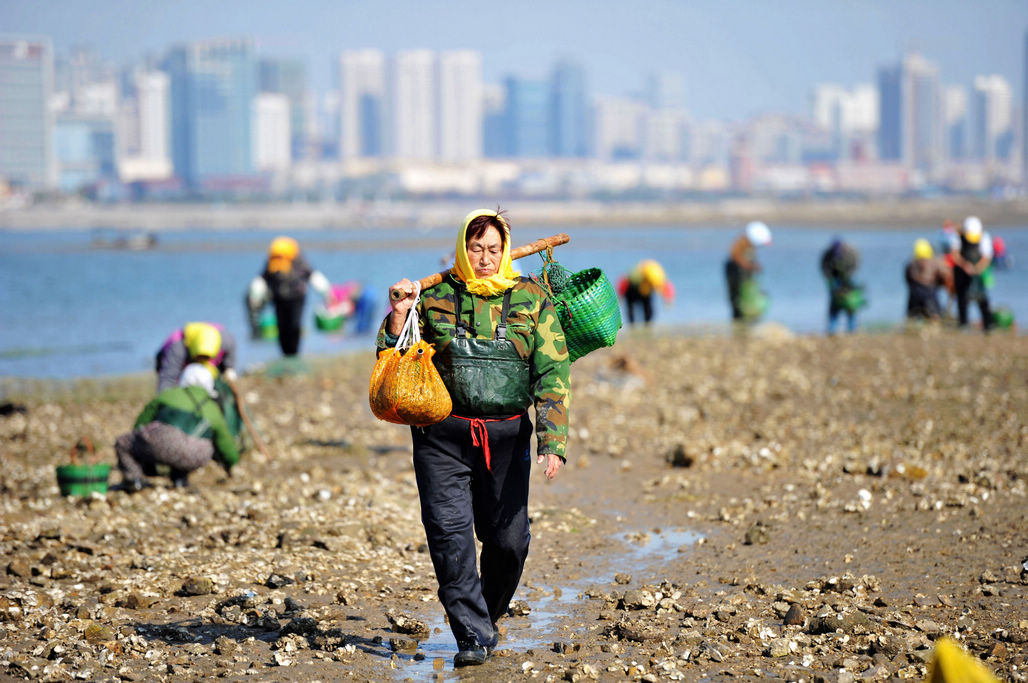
[(182, 428)]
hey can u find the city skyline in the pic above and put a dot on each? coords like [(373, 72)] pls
[(736, 59)]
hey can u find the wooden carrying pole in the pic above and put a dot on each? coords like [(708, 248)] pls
[(257, 442), (516, 253)]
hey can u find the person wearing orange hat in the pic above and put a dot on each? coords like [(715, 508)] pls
[(195, 342), (638, 286), (971, 256), (284, 281)]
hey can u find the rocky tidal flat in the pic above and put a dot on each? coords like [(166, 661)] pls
[(770, 507)]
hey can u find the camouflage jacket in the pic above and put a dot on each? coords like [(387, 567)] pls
[(534, 329)]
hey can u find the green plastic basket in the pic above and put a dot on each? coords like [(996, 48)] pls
[(77, 479), (589, 312), (82, 480)]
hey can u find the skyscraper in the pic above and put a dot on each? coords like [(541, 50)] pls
[(272, 132), (143, 132), (570, 111), (954, 121), (289, 77), (413, 106), (993, 102), (26, 124), (362, 86), (213, 85), (527, 117), (910, 113), (619, 128), (460, 105)]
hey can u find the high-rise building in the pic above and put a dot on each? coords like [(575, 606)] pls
[(849, 115), (619, 128), (954, 121), (362, 104), (664, 134), (910, 113), (26, 123), (993, 109), (494, 121), (143, 130), (272, 133), (213, 84), (460, 105), (413, 106), (569, 129), (289, 77), (528, 118), (85, 150)]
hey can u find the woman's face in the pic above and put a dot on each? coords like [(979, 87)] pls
[(485, 252)]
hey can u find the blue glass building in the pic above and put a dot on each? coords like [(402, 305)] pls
[(569, 112), (85, 151), (528, 118), (213, 85)]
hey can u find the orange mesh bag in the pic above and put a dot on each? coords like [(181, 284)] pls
[(405, 387)]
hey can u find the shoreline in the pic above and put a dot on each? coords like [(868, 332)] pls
[(442, 213), (139, 384)]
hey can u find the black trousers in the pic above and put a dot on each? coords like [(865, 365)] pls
[(734, 277), (634, 297), (461, 499), (962, 285), (289, 315)]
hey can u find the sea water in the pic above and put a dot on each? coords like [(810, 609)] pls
[(70, 306)]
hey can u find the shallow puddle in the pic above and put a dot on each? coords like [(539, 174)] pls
[(644, 553)]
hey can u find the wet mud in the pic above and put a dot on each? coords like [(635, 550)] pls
[(766, 507)]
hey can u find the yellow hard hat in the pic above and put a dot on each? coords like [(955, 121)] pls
[(281, 253), (923, 249), (653, 273), (202, 339)]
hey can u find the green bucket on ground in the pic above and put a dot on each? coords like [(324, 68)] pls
[(82, 480), (1003, 318), (326, 322)]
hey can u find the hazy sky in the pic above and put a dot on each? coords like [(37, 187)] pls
[(737, 57)]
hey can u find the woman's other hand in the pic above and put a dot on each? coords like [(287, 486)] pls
[(553, 464)]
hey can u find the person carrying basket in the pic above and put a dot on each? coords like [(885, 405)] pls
[(499, 346)]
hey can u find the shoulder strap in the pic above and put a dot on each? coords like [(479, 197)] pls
[(501, 326), (462, 327)]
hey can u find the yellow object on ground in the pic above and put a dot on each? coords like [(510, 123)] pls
[(202, 339), (952, 664)]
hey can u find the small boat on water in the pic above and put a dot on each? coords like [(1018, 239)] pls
[(133, 241)]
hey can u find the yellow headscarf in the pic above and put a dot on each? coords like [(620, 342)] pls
[(505, 276)]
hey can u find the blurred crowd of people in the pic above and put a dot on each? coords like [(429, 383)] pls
[(960, 264)]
